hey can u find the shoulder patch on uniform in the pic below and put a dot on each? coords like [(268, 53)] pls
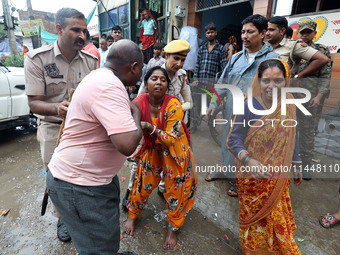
[(88, 54), (33, 53), (304, 44), (53, 71)]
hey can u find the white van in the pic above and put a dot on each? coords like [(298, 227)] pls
[(14, 109)]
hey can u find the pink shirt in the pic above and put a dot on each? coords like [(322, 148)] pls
[(100, 107)]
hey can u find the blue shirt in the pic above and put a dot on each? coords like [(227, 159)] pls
[(148, 26)]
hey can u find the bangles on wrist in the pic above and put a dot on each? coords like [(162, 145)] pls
[(154, 129), (245, 159)]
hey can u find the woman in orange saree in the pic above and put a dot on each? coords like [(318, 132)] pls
[(166, 148), (265, 146)]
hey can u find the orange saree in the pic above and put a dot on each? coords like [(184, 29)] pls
[(267, 223)]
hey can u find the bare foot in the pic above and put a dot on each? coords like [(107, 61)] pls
[(129, 227), (170, 241)]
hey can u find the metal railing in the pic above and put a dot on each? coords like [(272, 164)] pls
[(203, 5)]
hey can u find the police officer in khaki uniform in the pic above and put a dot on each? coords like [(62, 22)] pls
[(51, 72), (318, 85), (293, 52)]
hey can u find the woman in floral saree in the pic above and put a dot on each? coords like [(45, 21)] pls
[(166, 148), (265, 148)]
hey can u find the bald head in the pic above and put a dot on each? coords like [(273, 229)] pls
[(125, 59), (124, 52)]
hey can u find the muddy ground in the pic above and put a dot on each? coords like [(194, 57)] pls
[(24, 231)]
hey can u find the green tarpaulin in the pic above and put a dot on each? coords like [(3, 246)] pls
[(51, 38)]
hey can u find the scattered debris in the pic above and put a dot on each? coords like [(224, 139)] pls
[(226, 237), (121, 237), (123, 179), (43, 173), (300, 239), (316, 160), (161, 215), (4, 212), (147, 226)]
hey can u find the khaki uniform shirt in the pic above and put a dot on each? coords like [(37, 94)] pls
[(48, 73), (319, 81), (178, 88), (299, 50)]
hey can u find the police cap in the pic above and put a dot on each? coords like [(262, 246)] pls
[(180, 47)]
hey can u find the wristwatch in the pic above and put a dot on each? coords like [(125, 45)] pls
[(296, 76)]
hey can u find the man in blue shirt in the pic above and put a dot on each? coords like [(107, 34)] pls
[(240, 72)]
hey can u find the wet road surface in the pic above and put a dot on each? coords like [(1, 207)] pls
[(24, 231)]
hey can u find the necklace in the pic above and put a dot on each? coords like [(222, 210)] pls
[(264, 102), (158, 107)]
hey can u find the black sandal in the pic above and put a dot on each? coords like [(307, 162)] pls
[(62, 232)]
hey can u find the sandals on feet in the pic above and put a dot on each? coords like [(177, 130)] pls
[(62, 232), (331, 221), (233, 191)]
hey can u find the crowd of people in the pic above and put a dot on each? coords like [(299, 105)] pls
[(101, 126)]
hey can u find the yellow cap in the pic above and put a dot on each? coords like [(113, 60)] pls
[(181, 47)]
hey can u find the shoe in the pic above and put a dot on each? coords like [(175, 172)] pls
[(307, 176), (126, 201), (62, 232), (209, 179), (161, 195)]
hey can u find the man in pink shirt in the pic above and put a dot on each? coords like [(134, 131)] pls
[(90, 47), (102, 127)]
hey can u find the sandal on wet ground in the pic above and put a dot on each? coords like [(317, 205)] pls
[(331, 221), (62, 232), (233, 191), (209, 179)]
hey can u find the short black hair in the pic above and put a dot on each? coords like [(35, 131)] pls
[(109, 37), (210, 26), (116, 28), (150, 72), (65, 13), (289, 32), (158, 46), (279, 21), (258, 21)]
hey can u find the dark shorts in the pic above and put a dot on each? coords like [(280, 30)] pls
[(91, 214)]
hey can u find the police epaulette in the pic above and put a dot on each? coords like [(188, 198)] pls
[(89, 54), (33, 53)]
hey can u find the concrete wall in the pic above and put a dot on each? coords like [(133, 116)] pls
[(178, 22), (328, 138)]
